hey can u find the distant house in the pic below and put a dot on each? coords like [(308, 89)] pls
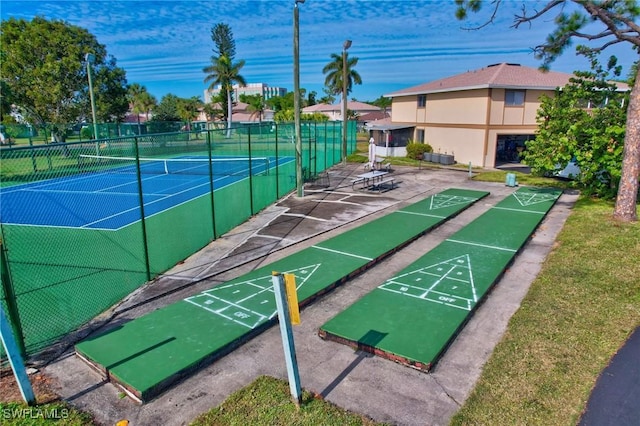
[(334, 111), (482, 117)]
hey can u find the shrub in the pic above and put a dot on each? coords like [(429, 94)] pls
[(416, 149)]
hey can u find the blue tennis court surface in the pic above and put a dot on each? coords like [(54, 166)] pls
[(109, 199)]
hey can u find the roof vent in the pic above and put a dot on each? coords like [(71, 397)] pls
[(492, 65), (513, 65)]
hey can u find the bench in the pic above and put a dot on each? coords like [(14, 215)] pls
[(354, 182), (379, 185)]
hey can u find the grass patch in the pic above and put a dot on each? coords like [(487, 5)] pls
[(580, 309), (267, 401), (522, 179)]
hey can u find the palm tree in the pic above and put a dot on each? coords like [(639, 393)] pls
[(333, 71), (256, 106), (140, 101), (225, 73), (188, 109)]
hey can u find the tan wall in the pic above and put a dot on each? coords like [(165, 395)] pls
[(468, 107), (466, 145), (515, 115), (404, 109)]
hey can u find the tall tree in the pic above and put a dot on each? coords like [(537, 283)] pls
[(167, 109), (334, 75), (189, 109), (141, 101), (223, 42), (223, 45), (226, 74), (618, 19), (111, 92), (44, 66)]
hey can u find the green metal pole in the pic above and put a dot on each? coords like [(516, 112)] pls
[(142, 217), (296, 99), (277, 165), (250, 171), (213, 205)]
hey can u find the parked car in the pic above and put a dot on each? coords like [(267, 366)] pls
[(571, 171)]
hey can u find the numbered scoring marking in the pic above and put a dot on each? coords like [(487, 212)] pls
[(248, 303), (229, 310), (449, 283)]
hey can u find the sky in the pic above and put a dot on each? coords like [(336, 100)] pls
[(164, 45)]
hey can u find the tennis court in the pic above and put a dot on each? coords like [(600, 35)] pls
[(412, 317), (111, 186), (80, 241), (148, 354)]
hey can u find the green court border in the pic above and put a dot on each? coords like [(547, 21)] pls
[(413, 317), (146, 355)]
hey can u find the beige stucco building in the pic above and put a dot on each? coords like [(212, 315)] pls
[(482, 117)]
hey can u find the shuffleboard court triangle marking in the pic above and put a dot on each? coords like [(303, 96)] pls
[(248, 303), (530, 198), (449, 282), (440, 201)]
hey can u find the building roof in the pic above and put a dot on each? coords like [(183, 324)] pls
[(386, 124), (504, 76), (351, 105), (374, 116)]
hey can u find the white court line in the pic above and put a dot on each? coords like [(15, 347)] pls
[(481, 245), (56, 191), (304, 216), (262, 316), (271, 237), (421, 214), (342, 252), (431, 300), (147, 204), (224, 316), (256, 294), (438, 281), (517, 210)]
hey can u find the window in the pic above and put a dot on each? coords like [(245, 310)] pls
[(420, 135), (514, 97), (422, 101)]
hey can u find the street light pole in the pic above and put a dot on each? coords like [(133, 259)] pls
[(345, 46), (296, 99), (89, 58)]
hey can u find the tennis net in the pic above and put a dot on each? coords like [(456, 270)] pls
[(231, 166)]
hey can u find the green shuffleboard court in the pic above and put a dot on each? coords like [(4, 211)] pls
[(146, 355), (412, 317)]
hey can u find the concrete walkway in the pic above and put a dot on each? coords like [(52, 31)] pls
[(381, 389)]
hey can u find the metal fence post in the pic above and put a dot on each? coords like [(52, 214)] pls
[(142, 218)]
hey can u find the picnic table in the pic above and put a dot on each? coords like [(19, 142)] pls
[(372, 180)]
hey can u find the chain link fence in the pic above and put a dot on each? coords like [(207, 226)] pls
[(85, 223)]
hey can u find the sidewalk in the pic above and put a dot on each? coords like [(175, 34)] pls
[(383, 390)]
